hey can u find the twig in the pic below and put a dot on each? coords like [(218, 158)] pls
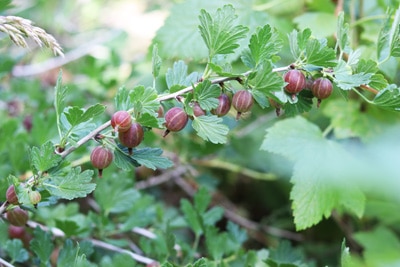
[(162, 178), (59, 233), (110, 247), (220, 164), (5, 263)]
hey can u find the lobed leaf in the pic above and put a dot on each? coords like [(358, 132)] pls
[(264, 45), (122, 100), (389, 38), (219, 31), (44, 158), (144, 100), (206, 94), (16, 251), (151, 158), (177, 77), (388, 98), (73, 185), (323, 175), (346, 79), (42, 245), (76, 115), (211, 128), (342, 33), (266, 82)]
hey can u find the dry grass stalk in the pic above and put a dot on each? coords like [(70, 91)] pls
[(19, 28)]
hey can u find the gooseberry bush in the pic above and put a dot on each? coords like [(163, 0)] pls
[(85, 194)]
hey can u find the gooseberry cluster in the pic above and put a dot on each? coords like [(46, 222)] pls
[(131, 133), (16, 215), (296, 81)]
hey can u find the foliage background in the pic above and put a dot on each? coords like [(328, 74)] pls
[(107, 45)]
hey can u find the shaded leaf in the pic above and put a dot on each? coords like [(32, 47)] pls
[(144, 100), (206, 94), (151, 158), (42, 245), (73, 185), (16, 250), (211, 128)]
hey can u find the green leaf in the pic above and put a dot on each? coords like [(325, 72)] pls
[(192, 217), (302, 104), (212, 216), (148, 120), (298, 42), (156, 61), (323, 174), (44, 158), (144, 100), (16, 251), (122, 100), (211, 128), (381, 246), (177, 77), (76, 115), (388, 98), (219, 31), (308, 49), (115, 197), (202, 199), (263, 46), (69, 227), (389, 38), (59, 100), (345, 257), (216, 242), (285, 255), (342, 32), (151, 158), (42, 245), (268, 83), (71, 255), (318, 54), (322, 24), (346, 79), (202, 262), (237, 235), (73, 185), (206, 94)]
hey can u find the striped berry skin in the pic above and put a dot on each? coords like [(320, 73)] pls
[(224, 105), (242, 101), (11, 195), (175, 120), (17, 216), (197, 110), (121, 121), (133, 137), (321, 88), (101, 158), (296, 81)]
